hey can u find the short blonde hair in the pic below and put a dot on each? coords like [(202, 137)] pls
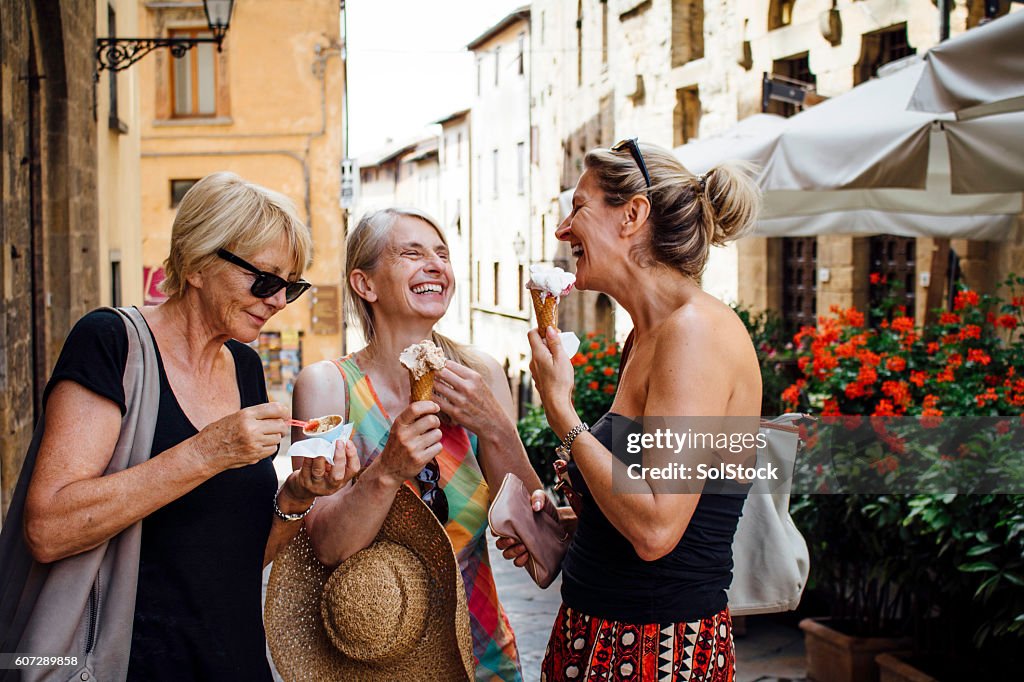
[(689, 213), (224, 211)]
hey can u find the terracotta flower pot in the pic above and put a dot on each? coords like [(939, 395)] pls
[(836, 657), (893, 668)]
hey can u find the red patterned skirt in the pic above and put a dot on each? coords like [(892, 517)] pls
[(587, 648)]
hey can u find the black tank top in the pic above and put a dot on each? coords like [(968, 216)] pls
[(603, 576)]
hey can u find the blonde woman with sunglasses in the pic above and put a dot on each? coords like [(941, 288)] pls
[(207, 497)]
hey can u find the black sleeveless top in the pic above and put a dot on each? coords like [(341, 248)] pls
[(198, 610), (603, 576)]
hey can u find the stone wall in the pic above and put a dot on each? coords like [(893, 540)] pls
[(48, 224)]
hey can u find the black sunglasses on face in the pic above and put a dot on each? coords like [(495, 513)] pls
[(266, 284), (431, 493), (634, 149)]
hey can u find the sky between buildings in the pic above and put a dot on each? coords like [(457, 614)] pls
[(408, 66)]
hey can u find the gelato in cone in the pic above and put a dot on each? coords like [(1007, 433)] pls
[(423, 360), (546, 308), (423, 387), (547, 286)]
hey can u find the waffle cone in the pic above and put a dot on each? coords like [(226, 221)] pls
[(546, 309), (422, 388)]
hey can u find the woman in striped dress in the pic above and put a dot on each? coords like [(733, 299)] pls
[(400, 283)]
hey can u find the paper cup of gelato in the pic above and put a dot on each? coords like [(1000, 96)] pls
[(328, 427)]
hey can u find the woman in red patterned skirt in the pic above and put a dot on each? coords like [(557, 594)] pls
[(644, 581)]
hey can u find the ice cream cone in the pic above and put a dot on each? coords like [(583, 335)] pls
[(422, 388), (546, 308)]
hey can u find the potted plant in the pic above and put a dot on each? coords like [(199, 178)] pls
[(916, 567)]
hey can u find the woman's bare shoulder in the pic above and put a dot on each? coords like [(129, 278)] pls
[(317, 376), (487, 365), (706, 324)]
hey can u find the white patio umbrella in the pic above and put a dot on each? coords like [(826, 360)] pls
[(978, 73), (860, 163)]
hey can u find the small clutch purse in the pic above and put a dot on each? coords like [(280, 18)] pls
[(512, 516)]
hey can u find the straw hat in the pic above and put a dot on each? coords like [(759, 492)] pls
[(393, 611)]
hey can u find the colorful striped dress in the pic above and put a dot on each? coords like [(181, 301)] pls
[(494, 645)]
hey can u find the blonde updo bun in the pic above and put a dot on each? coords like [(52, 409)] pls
[(689, 213)]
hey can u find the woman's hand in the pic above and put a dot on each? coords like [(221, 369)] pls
[(318, 478), (514, 550), (415, 439), (243, 437), (553, 374), (465, 396)]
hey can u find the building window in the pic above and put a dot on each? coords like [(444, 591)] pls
[(521, 286), (497, 280), (521, 167), (894, 266), (879, 48), (479, 178), (579, 42), (178, 190), (797, 70), (114, 121), (115, 278), (497, 64), (479, 74), (799, 282), (521, 54), (780, 13), (604, 32), (194, 77), (687, 118), (687, 31), (542, 27), (494, 158), (458, 150)]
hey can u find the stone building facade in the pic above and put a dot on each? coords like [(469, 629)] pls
[(456, 216), (668, 71), (504, 239), (48, 203), (268, 107)]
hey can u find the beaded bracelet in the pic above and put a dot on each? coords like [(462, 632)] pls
[(291, 517)]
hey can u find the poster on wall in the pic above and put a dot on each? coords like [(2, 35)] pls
[(152, 276)]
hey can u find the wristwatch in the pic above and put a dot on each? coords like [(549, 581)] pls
[(564, 450)]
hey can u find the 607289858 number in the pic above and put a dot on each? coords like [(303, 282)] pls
[(34, 661)]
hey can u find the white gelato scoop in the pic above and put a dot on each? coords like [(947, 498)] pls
[(550, 281)]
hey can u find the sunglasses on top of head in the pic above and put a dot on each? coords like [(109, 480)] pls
[(634, 149), (266, 284)]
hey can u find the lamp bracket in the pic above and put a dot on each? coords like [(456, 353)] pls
[(117, 54)]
